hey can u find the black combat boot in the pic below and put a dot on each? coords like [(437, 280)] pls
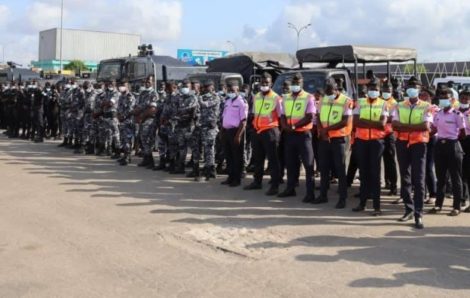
[(65, 142), (99, 149), (71, 144), (197, 174), (161, 165), (125, 160), (116, 154), (151, 164), (171, 166), (145, 161), (89, 148), (210, 173)]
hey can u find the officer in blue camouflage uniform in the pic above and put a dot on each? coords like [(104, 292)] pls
[(147, 109), (88, 137), (209, 105), (98, 119), (77, 108), (169, 119), (110, 121), (65, 100), (219, 150), (187, 121), (125, 110), (162, 129)]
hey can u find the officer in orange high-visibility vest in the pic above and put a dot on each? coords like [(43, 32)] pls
[(411, 120)]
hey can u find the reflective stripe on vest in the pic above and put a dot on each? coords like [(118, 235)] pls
[(371, 112), (264, 109), (331, 113), (413, 115), (294, 109)]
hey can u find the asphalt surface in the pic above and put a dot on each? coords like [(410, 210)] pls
[(82, 226)]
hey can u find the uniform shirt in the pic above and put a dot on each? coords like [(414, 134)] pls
[(235, 111), (466, 116), (449, 124)]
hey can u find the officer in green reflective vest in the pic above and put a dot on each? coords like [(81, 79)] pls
[(296, 120), (411, 120)]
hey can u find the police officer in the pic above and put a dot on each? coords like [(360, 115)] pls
[(334, 128), (267, 109), (88, 137), (64, 103), (110, 121), (168, 120), (26, 109), (370, 117), (449, 124), (125, 108), (297, 122), (13, 97), (188, 116), (162, 129), (77, 111), (51, 109), (38, 114), (234, 118), (209, 105), (464, 108), (147, 109), (411, 119), (100, 139), (389, 155)]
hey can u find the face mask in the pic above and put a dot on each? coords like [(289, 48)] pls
[(141, 89), (295, 88), (464, 105), (412, 92), (67, 86), (242, 94), (185, 90), (122, 89), (386, 95), (331, 97), (444, 103), (232, 95), (373, 94), (33, 86), (74, 86), (111, 88), (264, 88), (48, 89)]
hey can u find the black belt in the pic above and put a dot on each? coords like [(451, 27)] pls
[(446, 141)]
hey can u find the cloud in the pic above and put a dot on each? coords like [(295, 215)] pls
[(436, 28), (4, 15)]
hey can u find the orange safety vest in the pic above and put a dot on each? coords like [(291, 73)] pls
[(266, 116), (294, 109), (331, 113), (391, 102), (413, 115), (373, 112)]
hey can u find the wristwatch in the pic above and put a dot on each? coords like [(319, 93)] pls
[(293, 127)]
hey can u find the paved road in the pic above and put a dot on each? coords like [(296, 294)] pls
[(80, 226)]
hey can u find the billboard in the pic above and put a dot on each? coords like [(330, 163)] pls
[(199, 57)]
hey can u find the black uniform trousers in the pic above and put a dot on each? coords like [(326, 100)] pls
[(412, 163), (299, 144), (431, 183), (233, 154), (369, 156), (352, 166), (38, 122), (390, 165), (448, 156), (466, 167), (265, 144), (332, 158)]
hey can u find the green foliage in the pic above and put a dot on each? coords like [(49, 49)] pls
[(76, 66)]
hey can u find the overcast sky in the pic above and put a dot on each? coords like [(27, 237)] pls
[(438, 29)]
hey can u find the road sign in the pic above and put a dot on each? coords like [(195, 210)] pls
[(199, 57)]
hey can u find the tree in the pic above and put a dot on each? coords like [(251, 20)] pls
[(76, 65)]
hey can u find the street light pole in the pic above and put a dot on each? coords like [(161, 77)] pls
[(61, 30), (298, 31), (233, 46)]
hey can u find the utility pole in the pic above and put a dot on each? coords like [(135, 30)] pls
[(61, 31), (298, 31)]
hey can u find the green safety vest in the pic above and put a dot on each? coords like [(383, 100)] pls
[(371, 111), (295, 108), (412, 115), (265, 106), (331, 113)]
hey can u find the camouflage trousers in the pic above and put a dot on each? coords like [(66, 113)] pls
[(63, 123), (75, 127), (88, 131), (127, 133), (162, 142), (147, 136), (208, 138), (187, 137), (110, 132), (172, 144)]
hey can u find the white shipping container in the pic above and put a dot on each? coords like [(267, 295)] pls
[(86, 45)]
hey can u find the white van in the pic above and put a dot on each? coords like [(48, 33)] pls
[(459, 82)]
